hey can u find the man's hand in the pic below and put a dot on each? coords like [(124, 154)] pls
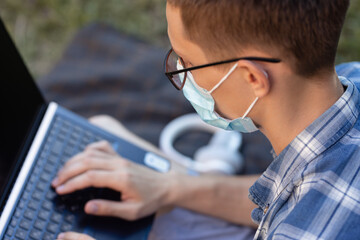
[(143, 191), (73, 236)]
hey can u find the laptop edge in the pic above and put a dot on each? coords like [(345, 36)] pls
[(26, 167)]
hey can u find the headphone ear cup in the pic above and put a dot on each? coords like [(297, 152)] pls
[(221, 155), (212, 158)]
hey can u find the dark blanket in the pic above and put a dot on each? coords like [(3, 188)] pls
[(105, 72)]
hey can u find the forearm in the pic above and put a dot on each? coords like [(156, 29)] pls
[(219, 196)]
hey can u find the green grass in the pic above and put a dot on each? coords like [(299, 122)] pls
[(43, 28)]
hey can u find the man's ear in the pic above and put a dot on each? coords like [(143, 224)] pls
[(256, 76)]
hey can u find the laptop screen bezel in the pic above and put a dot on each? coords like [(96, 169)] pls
[(13, 60)]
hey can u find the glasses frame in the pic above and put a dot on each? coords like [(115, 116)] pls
[(185, 70)]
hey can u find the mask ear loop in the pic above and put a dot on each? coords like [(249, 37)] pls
[(256, 99), (224, 78), (250, 108)]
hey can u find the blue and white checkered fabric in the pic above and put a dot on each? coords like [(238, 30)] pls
[(312, 189)]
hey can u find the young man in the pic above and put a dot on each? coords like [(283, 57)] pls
[(278, 77)]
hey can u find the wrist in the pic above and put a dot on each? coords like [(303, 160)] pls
[(172, 188)]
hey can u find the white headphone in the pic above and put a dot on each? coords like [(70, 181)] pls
[(221, 155)]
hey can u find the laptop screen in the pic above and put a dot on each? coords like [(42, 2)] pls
[(20, 103)]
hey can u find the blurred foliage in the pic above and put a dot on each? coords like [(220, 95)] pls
[(43, 28), (349, 45)]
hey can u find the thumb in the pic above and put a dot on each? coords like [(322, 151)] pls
[(125, 210)]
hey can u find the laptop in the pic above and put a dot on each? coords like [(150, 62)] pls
[(37, 138)]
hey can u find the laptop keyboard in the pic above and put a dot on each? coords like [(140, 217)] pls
[(40, 212)]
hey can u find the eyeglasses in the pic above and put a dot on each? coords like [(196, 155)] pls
[(178, 80)]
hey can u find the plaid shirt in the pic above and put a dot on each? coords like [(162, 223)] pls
[(312, 189)]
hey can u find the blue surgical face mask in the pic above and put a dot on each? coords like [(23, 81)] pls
[(204, 105)]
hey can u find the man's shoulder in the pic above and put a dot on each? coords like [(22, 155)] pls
[(340, 161), (325, 200), (332, 173)]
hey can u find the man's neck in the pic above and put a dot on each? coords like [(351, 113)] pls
[(298, 105)]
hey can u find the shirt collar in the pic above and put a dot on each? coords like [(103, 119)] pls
[(310, 143)]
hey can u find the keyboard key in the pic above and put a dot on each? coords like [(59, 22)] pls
[(46, 148), (37, 195), (42, 186), (56, 217), (20, 234), (62, 134), (51, 194), (28, 188), (69, 218), (64, 159), (59, 207), (52, 227), (75, 206), (49, 168), (82, 146), (25, 195), (67, 125), (41, 161), (44, 214), (49, 236), (50, 138), (56, 125), (47, 205), (69, 150), (17, 213), (22, 204), (13, 222), (98, 139), (52, 159), (78, 129), (33, 179), (45, 176), (88, 137), (29, 214), (44, 151), (66, 227), (10, 232), (33, 204), (57, 147), (40, 224), (35, 234), (36, 171), (25, 224), (73, 139)]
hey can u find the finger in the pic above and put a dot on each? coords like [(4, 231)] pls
[(90, 152), (103, 146), (83, 156), (74, 236), (91, 178), (55, 182), (126, 210), (82, 165)]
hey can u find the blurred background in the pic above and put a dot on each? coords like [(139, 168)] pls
[(43, 28)]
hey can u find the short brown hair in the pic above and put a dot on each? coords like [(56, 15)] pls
[(306, 32)]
